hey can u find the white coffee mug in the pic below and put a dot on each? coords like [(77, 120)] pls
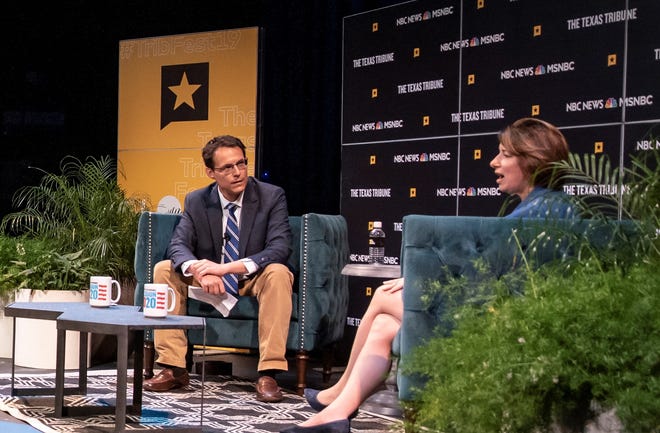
[(155, 300), (100, 291)]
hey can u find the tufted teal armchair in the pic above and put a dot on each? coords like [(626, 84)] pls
[(320, 298), (436, 248)]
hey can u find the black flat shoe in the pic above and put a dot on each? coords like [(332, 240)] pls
[(341, 426), (311, 395)]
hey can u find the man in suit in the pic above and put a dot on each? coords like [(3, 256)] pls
[(197, 257)]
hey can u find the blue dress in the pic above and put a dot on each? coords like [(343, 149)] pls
[(545, 203)]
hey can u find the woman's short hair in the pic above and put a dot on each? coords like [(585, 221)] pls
[(537, 144)]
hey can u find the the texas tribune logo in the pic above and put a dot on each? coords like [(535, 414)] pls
[(184, 93)]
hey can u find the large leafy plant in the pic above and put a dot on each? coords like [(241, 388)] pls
[(31, 263), (582, 341), (71, 225)]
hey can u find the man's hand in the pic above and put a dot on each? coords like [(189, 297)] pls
[(209, 275), (204, 267), (212, 284)]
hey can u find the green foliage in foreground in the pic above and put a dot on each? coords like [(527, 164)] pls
[(542, 349), (517, 362)]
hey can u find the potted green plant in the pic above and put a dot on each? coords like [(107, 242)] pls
[(72, 225), (10, 249), (81, 210), (579, 351), (27, 262)]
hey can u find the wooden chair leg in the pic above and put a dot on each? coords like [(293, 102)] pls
[(327, 362), (149, 355), (301, 366)]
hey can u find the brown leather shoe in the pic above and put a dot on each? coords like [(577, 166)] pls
[(268, 391), (165, 380)]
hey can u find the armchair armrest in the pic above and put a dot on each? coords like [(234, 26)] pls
[(153, 236), (323, 290), (433, 249)]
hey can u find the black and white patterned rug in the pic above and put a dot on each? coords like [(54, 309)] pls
[(229, 406)]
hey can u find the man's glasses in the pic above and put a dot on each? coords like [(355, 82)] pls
[(241, 164)]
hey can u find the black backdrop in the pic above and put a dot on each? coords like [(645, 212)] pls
[(428, 84), (60, 70)]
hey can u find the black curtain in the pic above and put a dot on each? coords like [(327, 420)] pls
[(61, 61)]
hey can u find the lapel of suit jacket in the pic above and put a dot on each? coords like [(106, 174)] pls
[(248, 215), (214, 215)]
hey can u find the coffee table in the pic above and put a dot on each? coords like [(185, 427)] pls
[(118, 320)]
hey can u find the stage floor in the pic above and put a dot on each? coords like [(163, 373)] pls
[(239, 365)]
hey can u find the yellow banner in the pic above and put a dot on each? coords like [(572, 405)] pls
[(175, 93)]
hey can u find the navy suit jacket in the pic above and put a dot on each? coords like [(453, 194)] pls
[(265, 234)]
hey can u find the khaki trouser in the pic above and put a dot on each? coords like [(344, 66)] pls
[(272, 287)]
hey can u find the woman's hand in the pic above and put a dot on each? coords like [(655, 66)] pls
[(392, 285)]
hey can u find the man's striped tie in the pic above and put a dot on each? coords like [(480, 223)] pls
[(231, 249)]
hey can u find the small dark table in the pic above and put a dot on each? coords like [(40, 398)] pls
[(119, 320), (48, 311)]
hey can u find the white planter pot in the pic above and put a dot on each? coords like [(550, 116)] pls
[(6, 329), (36, 340)]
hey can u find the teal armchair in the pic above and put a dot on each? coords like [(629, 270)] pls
[(320, 298), (436, 248)]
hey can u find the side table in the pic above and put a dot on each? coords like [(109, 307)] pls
[(372, 270), (47, 311), (121, 323), (386, 401)]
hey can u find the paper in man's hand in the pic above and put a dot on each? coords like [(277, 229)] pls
[(222, 303)]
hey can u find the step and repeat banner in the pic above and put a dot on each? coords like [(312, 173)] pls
[(427, 85), (175, 93)]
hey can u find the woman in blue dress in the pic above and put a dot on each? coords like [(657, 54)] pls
[(523, 168)]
